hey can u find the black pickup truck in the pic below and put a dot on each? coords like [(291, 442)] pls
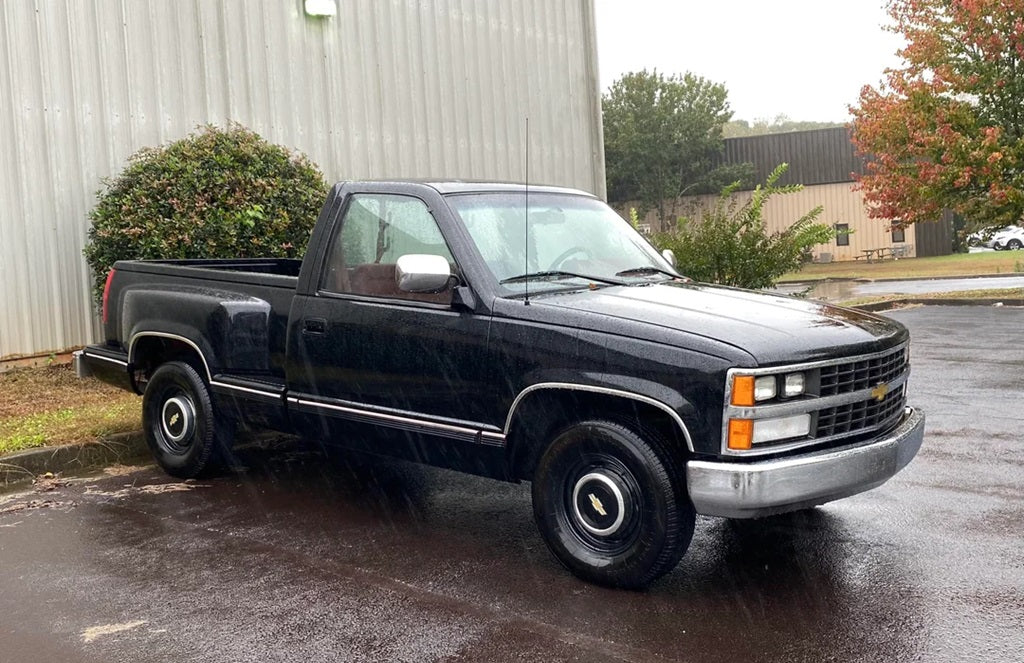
[(520, 335)]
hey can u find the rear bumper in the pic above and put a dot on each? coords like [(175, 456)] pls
[(103, 364), (762, 488)]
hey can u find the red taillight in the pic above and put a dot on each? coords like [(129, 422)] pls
[(106, 294)]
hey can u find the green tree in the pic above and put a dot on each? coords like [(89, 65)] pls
[(946, 129), (663, 139), (729, 244), (218, 193)]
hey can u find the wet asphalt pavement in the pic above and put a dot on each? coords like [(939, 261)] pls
[(301, 559)]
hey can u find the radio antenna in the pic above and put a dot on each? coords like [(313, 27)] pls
[(526, 218)]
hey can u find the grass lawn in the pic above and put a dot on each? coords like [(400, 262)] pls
[(48, 406), (960, 264)]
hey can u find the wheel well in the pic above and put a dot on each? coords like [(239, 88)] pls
[(545, 412), (150, 352)]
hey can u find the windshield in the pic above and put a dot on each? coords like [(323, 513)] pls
[(572, 241)]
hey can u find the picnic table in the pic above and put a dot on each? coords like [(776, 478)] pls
[(883, 252)]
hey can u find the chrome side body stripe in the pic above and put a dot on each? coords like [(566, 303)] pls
[(102, 358), (247, 390), (403, 421)]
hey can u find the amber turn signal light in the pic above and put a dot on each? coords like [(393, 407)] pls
[(741, 434), (743, 390)]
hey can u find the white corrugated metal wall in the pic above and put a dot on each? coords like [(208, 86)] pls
[(386, 88)]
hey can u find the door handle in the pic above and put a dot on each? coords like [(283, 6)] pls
[(314, 326)]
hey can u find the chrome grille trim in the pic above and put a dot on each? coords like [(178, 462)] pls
[(860, 374), (845, 407)]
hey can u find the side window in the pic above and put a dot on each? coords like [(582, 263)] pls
[(898, 236), (842, 234), (376, 230)]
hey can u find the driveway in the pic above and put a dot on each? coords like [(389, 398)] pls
[(301, 559)]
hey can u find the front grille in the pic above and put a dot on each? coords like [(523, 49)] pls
[(863, 374), (863, 415)]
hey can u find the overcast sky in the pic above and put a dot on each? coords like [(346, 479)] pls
[(803, 58)]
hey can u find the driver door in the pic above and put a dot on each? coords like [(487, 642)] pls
[(368, 347)]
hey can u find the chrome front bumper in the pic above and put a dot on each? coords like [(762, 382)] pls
[(762, 488)]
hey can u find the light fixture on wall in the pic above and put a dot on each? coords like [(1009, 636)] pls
[(321, 7)]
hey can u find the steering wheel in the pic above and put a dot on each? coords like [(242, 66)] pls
[(556, 264)]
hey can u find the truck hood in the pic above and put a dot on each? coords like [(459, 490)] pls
[(774, 329)]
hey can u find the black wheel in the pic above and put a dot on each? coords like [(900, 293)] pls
[(1015, 244), (179, 423), (611, 505)]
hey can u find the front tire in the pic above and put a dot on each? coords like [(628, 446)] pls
[(178, 419), (611, 505)]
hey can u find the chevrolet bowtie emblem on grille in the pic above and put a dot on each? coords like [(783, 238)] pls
[(596, 503), (174, 419), (879, 392)]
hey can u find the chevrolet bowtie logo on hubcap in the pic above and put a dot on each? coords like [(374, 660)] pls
[(879, 392), (174, 419), (596, 503)]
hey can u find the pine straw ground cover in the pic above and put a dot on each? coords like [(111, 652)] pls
[(50, 406)]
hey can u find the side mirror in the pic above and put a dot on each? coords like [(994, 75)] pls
[(668, 255), (417, 272)]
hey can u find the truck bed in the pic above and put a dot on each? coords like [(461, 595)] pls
[(279, 272), (236, 309)]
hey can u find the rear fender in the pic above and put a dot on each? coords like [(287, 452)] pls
[(229, 332)]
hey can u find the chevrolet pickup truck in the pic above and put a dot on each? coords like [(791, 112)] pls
[(519, 334)]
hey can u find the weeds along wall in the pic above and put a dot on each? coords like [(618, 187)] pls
[(380, 90)]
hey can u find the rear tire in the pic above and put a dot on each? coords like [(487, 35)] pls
[(180, 425), (1015, 244), (611, 505)]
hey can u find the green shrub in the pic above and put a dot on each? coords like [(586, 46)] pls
[(728, 243), (218, 193)]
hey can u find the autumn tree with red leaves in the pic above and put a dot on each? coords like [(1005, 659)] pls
[(946, 129)]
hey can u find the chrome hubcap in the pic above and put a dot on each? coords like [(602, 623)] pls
[(599, 503), (177, 419)]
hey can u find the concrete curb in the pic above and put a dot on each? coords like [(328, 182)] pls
[(924, 301), (25, 465)]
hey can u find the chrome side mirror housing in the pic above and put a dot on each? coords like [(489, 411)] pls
[(417, 272), (669, 256)]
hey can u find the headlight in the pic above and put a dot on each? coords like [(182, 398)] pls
[(748, 390), (781, 428), (744, 433), (764, 388), (793, 385)]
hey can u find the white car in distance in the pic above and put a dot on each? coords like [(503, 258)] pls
[(1009, 238)]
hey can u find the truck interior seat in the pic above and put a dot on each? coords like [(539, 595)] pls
[(379, 279)]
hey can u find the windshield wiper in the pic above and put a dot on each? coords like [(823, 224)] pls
[(648, 269), (554, 274)]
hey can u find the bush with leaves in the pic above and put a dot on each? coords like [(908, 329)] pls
[(218, 193), (729, 244)]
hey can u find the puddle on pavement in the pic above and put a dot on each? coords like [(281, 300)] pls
[(830, 291), (836, 291)]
